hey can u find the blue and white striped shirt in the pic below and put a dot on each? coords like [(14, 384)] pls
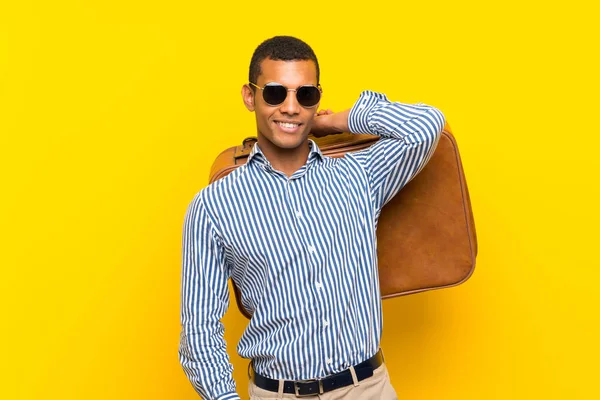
[(303, 251)]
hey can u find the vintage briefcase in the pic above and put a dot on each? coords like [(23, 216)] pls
[(425, 236)]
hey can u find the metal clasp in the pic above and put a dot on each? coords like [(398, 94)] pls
[(297, 389)]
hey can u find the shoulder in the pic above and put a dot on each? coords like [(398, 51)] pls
[(217, 194), (226, 184), (348, 168)]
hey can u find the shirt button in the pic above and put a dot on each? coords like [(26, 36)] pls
[(311, 248), (298, 214), (325, 323), (319, 285), (328, 361)]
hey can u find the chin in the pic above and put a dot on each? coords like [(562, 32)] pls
[(287, 141), (290, 142)]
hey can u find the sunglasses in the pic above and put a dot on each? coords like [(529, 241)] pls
[(275, 94)]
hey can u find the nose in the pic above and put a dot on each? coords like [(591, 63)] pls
[(290, 104)]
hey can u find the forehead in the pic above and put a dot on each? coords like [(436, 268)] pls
[(289, 73)]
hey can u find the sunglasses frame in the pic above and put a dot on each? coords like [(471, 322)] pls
[(319, 88)]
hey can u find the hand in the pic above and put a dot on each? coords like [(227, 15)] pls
[(325, 123), (324, 112)]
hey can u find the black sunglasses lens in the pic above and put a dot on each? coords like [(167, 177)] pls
[(274, 94), (308, 96)]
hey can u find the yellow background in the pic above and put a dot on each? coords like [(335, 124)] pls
[(112, 112)]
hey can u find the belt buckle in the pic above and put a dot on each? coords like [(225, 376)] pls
[(297, 389)]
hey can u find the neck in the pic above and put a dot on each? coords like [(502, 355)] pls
[(287, 161)]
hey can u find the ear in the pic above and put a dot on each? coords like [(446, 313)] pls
[(248, 97)]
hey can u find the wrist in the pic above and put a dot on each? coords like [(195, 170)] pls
[(340, 121)]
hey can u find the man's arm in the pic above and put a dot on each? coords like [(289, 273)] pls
[(409, 135), (204, 300)]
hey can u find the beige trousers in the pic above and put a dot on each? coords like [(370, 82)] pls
[(377, 387)]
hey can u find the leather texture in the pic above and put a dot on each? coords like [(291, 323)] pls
[(425, 235)]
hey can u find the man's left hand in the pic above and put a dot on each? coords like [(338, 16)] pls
[(327, 122)]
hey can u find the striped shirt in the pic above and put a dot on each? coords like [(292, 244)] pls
[(301, 249)]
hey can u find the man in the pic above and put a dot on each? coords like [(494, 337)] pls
[(296, 231)]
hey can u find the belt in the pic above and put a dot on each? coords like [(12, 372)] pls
[(313, 387)]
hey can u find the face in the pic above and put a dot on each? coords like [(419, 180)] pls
[(273, 122)]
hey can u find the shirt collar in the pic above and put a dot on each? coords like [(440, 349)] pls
[(257, 154), (315, 151)]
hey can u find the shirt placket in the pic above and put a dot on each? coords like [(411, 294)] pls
[(315, 280)]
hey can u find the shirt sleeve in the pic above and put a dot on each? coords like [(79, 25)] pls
[(204, 301), (409, 135)]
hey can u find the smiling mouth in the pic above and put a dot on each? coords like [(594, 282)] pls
[(288, 126)]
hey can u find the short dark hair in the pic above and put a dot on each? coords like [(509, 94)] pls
[(284, 48)]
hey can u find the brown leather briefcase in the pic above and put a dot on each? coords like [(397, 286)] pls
[(425, 236)]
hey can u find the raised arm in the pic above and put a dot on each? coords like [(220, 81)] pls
[(409, 135), (204, 300)]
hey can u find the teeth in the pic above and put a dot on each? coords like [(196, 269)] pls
[(286, 125)]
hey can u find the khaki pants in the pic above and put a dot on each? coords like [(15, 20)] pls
[(377, 387)]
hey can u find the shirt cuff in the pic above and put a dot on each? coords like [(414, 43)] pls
[(228, 396), (358, 119)]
